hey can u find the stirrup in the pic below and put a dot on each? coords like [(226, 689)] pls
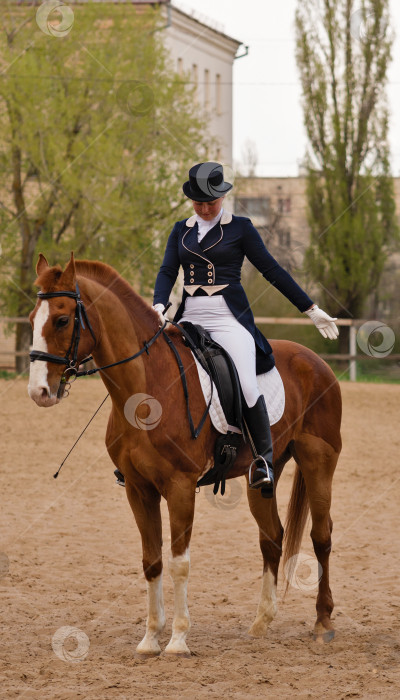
[(120, 477), (265, 480)]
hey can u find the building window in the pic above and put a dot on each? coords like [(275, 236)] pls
[(180, 66), (218, 101), (206, 88), (284, 205), (284, 239), (253, 207), (195, 74)]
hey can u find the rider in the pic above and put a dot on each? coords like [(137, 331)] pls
[(210, 246)]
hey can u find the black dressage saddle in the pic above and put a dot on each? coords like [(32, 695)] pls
[(220, 367)]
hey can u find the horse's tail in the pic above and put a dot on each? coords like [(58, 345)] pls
[(295, 523)]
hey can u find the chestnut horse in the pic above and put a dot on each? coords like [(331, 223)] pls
[(165, 460)]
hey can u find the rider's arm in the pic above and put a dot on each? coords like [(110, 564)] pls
[(259, 256), (168, 271)]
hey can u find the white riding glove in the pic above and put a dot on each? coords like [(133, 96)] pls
[(325, 324), (159, 310)]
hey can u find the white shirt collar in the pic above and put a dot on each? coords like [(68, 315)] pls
[(205, 226), (226, 218)]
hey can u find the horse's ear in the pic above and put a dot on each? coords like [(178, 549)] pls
[(41, 264), (68, 276)]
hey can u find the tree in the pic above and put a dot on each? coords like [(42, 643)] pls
[(343, 55), (97, 132)]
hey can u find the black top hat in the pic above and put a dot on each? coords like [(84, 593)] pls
[(206, 182)]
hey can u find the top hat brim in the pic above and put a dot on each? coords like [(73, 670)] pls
[(198, 196)]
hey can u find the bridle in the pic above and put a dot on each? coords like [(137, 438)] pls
[(71, 356)]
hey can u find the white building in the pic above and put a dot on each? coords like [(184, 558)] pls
[(204, 55)]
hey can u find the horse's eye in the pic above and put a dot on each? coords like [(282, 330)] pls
[(62, 322)]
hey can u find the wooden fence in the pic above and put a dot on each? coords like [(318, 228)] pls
[(352, 356), (8, 353)]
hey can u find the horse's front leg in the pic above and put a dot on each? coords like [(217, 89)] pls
[(145, 504), (180, 501)]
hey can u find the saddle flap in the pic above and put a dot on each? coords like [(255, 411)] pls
[(222, 370)]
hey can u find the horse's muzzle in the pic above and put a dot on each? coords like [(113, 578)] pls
[(42, 397)]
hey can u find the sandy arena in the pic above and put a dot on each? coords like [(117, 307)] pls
[(70, 555)]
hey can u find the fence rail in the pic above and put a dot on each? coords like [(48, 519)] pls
[(352, 323), (352, 356)]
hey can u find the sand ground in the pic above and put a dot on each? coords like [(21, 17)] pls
[(70, 555)]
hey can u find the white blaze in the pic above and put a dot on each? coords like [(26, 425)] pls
[(38, 368)]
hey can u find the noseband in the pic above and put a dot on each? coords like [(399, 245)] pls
[(71, 362), (71, 356)]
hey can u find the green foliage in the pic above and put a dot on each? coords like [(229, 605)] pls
[(343, 54), (97, 134)]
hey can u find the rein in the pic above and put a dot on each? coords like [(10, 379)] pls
[(80, 315), (79, 323)]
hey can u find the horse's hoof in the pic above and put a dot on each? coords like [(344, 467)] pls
[(147, 649), (258, 629), (178, 648), (323, 637), (178, 655), (146, 655)]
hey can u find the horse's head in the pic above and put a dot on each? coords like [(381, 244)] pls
[(57, 331)]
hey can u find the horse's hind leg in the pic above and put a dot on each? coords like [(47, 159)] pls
[(180, 500), (271, 533), (145, 503), (317, 461)]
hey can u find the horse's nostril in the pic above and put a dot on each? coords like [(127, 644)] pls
[(44, 393)]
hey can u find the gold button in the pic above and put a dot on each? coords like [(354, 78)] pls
[(209, 266), (209, 281), (192, 266), (209, 274), (191, 281), (191, 272)]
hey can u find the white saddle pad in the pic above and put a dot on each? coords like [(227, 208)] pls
[(270, 384)]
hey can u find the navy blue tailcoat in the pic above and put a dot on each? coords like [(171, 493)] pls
[(218, 260)]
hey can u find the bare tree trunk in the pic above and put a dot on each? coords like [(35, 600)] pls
[(23, 337), (23, 340)]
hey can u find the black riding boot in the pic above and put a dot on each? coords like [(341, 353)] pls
[(257, 422)]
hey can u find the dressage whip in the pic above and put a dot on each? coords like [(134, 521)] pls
[(77, 440)]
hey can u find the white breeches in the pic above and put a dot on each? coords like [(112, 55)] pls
[(215, 316)]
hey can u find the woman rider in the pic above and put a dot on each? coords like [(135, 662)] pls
[(211, 246)]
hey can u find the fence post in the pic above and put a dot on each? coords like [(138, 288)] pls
[(352, 351)]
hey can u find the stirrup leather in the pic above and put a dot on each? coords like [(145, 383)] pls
[(264, 465)]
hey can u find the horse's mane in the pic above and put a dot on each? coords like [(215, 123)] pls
[(110, 279)]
